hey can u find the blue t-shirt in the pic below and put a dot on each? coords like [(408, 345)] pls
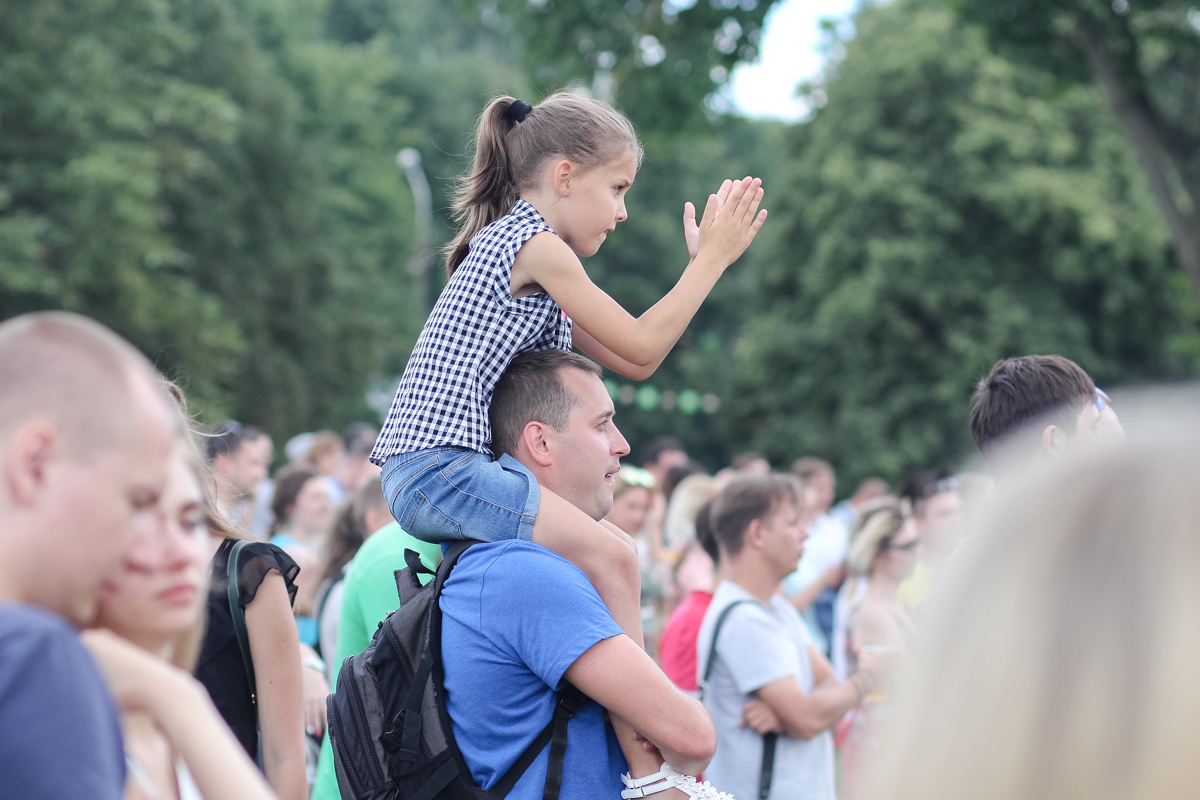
[(515, 616), (60, 736)]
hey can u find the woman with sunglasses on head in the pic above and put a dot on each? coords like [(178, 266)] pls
[(177, 747), (884, 548)]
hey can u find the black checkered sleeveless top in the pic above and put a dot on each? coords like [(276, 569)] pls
[(476, 328)]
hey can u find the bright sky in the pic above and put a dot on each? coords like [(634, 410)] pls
[(787, 55)]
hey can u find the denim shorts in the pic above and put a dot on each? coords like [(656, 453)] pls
[(447, 493)]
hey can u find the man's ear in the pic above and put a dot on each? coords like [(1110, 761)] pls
[(561, 176), (537, 440), (753, 535), (1054, 441), (26, 459)]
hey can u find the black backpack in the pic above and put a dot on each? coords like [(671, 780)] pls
[(388, 724)]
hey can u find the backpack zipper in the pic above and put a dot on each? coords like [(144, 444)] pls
[(335, 730), (359, 713)]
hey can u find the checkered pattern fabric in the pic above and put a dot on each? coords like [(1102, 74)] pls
[(474, 331)]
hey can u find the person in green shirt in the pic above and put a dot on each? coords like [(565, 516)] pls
[(368, 597)]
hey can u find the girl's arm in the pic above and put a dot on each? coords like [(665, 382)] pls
[(142, 682), (635, 345), (275, 651)]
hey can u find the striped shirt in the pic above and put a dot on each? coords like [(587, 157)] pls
[(476, 328)]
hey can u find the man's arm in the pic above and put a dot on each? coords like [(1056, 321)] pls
[(805, 714), (618, 675)]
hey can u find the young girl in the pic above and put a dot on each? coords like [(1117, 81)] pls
[(547, 186)]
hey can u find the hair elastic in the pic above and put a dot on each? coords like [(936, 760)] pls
[(518, 110)]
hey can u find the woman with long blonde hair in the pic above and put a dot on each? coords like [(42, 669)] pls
[(1062, 649)]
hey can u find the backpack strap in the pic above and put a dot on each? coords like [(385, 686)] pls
[(406, 728), (239, 617), (766, 770), (569, 701)]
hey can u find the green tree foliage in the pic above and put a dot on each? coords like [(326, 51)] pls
[(657, 60), (215, 182), (945, 208), (1145, 55)]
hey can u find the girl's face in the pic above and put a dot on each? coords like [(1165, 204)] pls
[(312, 507), (158, 597), (596, 203), (629, 510)]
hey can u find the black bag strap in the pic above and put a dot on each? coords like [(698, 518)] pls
[(569, 701), (239, 617), (767, 770), (712, 648)]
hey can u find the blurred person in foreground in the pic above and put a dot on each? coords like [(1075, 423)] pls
[(176, 744), (770, 690), (1058, 657), (85, 441), (239, 463), (884, 547)]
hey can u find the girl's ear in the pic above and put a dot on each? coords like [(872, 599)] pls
[(561, 176)]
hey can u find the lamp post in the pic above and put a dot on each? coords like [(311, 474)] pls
[(409, 160)]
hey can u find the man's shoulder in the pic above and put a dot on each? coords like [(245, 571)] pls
[(518, 557), (23, 627), (735, 602)]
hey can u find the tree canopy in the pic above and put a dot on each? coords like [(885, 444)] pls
[(946, 208)]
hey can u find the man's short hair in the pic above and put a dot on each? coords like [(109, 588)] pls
[(71, 371), (227, 438), (809, 467), (747, 499), (532, 390), (654, 448), (1021, 391)]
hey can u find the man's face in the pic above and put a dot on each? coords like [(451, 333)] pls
[(245, 467), (783, 537), (587, 455), (94, 510)]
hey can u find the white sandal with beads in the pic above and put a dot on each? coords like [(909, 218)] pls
[(667, 778)]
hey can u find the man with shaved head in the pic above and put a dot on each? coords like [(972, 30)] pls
[(85, 436)]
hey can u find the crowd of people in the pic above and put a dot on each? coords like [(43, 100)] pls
[(177, 621)]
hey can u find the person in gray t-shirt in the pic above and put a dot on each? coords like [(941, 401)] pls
[(766, 676)]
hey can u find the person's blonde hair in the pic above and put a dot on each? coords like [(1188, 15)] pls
[(874, 526), (1061, 655), (679, 521), (509, 154)]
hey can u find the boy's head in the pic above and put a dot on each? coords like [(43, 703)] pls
[(1037, 403)]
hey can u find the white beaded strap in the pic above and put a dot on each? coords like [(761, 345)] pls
[(667, 778)]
